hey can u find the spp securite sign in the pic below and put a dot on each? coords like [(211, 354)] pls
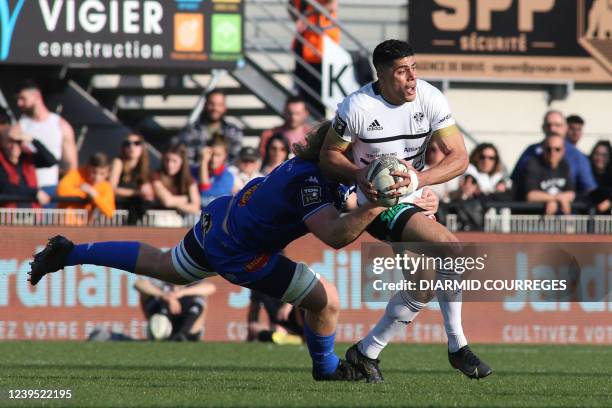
[(102, 33), (520, 39)]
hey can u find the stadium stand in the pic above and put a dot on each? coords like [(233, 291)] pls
[(105, 105)]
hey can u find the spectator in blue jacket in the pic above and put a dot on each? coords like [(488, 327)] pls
[(215, 178), (581, 174)]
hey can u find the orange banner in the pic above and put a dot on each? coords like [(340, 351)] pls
[(69, 304)]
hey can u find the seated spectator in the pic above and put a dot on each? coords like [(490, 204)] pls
[(89, 183), (172, 183), (284, 323), (445, 191), (18, 168), (294, 129), (130, 177), (484, 175), (601, 164), (575, 129), (183, 305), (555, 124), (215, 179), (276, 153), (548, 178), (247, 166), (212, 121)]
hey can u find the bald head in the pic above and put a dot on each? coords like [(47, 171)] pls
[(554, 124)]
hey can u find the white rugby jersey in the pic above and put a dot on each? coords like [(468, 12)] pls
[(377, 128)]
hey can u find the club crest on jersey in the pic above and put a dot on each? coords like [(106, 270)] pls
[(311, 195), (375, 126), (418, 117)]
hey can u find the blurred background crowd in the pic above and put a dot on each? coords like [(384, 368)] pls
[(208, 160)]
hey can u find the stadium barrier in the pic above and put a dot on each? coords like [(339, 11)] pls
[(71, 303)]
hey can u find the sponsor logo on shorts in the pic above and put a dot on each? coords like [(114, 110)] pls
[(339, 125), (258, 263), (392, 213), (311, 195)]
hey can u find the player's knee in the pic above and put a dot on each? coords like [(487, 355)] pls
[(322, 299)]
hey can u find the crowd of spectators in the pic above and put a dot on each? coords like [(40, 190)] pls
[(39, 166), (553, 175), (208, 160)]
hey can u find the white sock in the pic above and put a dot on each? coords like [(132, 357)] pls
[(401, 310), (450, 305)]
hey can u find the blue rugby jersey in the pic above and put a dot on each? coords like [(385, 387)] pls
[(269, 212)]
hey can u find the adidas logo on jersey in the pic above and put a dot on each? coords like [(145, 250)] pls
[(374, 126)]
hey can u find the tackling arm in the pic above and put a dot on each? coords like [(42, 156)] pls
[(337, 231)]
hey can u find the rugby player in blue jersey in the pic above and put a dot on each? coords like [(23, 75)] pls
[(240, 238)]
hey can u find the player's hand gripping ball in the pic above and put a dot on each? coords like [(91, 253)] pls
[(379, 174)]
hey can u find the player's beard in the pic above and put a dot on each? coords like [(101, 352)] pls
[(29, 112)]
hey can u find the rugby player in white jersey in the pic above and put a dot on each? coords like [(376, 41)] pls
[(398, 115)]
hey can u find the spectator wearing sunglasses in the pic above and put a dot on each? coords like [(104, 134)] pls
[(548, 179), (484, 175), (130, 177), (555, 124)]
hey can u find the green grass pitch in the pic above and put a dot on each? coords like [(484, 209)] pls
[(260, 375)]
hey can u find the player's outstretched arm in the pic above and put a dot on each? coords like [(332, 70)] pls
[(455, 162), (336, 231)]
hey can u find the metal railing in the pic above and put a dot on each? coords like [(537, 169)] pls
[(494, 223), (40, 217), (77, 217), (540, 224), (548, 224)]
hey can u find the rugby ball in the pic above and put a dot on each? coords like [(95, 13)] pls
[(160, 327), (379, 174)]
